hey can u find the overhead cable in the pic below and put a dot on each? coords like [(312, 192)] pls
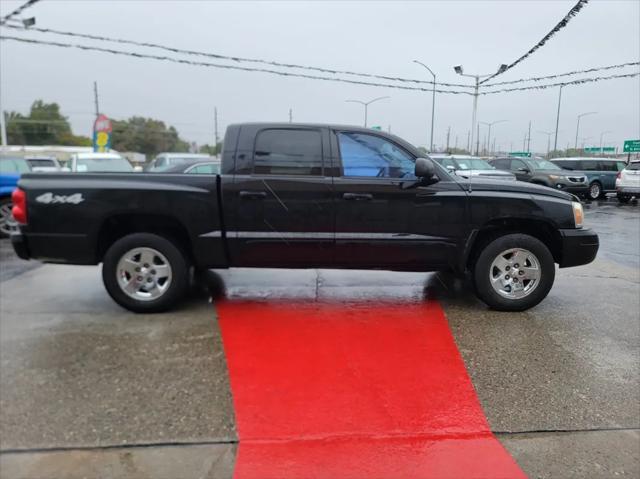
[(579, 81)]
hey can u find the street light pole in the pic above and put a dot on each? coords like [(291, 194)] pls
[(458, 69), (601, 135), (366, 106), (490, 125), (548, 133), (433, 101), (578, 125)]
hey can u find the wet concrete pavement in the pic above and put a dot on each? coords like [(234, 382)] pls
[(87, 389)]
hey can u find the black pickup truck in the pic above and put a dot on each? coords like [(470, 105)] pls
[(303, 196)]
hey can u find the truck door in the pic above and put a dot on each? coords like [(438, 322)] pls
[(282, 199), (380, 224)]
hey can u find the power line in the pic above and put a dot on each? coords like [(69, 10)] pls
[(559, 26), (558, 75), (18, 11), (579, 81), (217, 65), (234, 58)]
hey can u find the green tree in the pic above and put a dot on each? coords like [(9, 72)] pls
[(211, 150), (45, 125), (146, 135)]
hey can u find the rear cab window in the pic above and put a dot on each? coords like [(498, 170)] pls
[(288, 152)]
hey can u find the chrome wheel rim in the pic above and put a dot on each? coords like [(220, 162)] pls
[(144, 274), (515, 273), (7, 222), (594, 191)]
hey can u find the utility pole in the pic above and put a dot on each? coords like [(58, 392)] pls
[(478, 136), (529, 138), (95, 96), (215, 129), (493, 148), (456, 145), (490, 125), (555, 141), (3, 129), (448, 133), (601, 135), (290, 115), (468, 140), (433, 99)]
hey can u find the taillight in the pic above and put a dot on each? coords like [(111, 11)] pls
[(19, 210), (619, 175)]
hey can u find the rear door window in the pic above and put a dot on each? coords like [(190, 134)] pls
[(517, 165), (587, 165), (288, 152), (608, 165), (502, 163)]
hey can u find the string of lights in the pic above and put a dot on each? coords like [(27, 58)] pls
[(558, 75), (559, 26), (18, 11), (216, 65), (235, 58), (307, 76), (324, 70), (579, 81)]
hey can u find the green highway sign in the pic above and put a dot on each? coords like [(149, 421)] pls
[(631, 146), (379, 128), (522, 154), (597, 149)]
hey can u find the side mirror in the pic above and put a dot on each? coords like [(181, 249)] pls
[(424, 168), (524, 170), (451, 168)]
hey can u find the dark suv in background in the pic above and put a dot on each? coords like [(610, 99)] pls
[(542, 172), (600, 172)]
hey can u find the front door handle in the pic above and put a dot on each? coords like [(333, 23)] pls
[(358, 196), (253, 195)]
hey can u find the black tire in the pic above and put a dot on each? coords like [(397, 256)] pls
[(624, 199), (491, 251), (7, 223), (179, 271), (595, 191)]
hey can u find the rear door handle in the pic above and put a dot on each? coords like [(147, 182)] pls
[(358, 196), (253, 195)]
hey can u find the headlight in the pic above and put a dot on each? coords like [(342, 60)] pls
[(555, 177), (578, 213)]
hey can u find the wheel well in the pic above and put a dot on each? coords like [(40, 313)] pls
[(116, 227), (538, 229)]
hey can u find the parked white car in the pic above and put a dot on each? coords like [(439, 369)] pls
[(98, 163), (164, 161), (45, 164), (467, 166), (628, 182)]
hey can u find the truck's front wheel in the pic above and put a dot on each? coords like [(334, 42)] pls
[(514, 272), (145, 273)]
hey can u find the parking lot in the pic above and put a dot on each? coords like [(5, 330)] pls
[(88, 389)]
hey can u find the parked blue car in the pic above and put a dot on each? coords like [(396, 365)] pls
[(10, 171), (600, 172)]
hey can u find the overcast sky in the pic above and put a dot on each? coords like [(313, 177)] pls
[(372, 37)]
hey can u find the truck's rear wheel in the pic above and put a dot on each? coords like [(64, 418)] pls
[(145, 273), (7, 223), (514, 272)]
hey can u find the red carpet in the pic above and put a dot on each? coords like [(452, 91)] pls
[(341, 390)]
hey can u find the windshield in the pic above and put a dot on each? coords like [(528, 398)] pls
[(103, 165), (180, 160), (13, 165), (544, 165), (474, 164)]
